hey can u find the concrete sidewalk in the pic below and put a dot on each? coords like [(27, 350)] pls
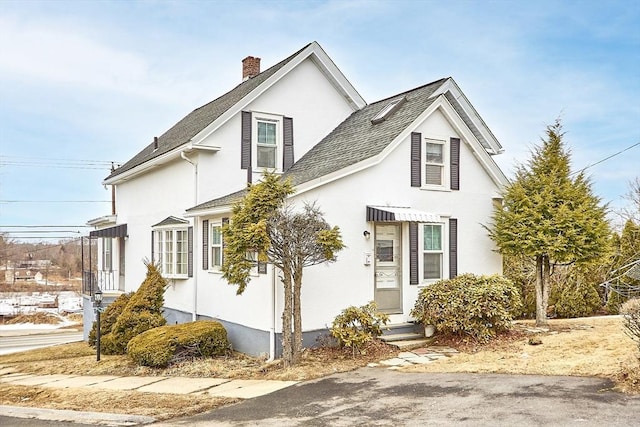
[(219, 387)]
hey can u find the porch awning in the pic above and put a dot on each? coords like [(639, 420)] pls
[(392, 213), (116, 231)]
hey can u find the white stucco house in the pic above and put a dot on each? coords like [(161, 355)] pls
[(409, 180)]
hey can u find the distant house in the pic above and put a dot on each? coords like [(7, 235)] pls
[(409, 180)]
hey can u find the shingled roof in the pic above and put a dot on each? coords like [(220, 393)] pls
[(182, 132), (354, 140), (357, 138)]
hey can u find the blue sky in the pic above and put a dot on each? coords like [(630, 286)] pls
[(83, 82)]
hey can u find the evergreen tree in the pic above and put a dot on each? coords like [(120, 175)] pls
[(549, 216)]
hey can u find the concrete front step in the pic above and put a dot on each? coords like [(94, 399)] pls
[(401, 328), (389, 338)]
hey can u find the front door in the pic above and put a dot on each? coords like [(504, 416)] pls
[(388, 268)]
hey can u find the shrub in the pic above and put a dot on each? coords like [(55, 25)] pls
[(108, 318), (630, 311), (356, 326), (142, 312), (578, 299), (480, 306), (160, 346), (614, 300)]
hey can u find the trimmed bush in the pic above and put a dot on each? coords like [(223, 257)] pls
[(108, 318), (142, 312), (480, 306), (160, 346), (356, 326), (578, 299), (630, 311)]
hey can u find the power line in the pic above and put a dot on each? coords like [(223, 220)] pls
[(41, 165), (71, 238), (55, 201), (40, 231), (56, 162), (43, 226), (605, 159)]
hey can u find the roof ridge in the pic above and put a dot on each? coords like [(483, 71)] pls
[(410, 90)]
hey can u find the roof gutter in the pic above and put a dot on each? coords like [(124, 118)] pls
[(157, 161)]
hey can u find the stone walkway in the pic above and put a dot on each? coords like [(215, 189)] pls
[(419, 356)]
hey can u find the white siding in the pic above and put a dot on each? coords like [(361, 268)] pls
[(327, 289)]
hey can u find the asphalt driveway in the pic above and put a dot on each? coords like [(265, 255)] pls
[(382, 397)]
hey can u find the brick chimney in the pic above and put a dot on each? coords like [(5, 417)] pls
[(250, 67)]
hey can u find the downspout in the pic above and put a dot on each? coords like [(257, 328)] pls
[(194, 314), (272, 331)]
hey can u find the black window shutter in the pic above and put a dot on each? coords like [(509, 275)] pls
[(453, 247), (287, 147), (225, 221), (413, 253), (190, 251), (245, 150), (205, 244), (455, 163), (416, 159), (153, 249), (262, 267)]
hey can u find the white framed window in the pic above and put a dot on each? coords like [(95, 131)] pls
[(432, 251), (171, 251), (215, 242), (267, 142), (434, 162), (267, 146)]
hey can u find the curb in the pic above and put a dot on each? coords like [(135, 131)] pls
[(97, 418)]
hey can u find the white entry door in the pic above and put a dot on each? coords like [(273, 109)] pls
[(388, 268)]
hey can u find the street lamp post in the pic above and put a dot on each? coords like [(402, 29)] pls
[(97, 302)]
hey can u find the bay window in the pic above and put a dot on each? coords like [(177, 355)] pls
[(171, 252)]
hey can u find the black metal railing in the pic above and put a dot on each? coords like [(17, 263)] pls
[(105, 280)]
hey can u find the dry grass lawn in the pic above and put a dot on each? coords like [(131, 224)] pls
[(578, 347), (581, 347)]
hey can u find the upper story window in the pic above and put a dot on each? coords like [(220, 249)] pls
[(434, 162), (267, 144), (432, 251)]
